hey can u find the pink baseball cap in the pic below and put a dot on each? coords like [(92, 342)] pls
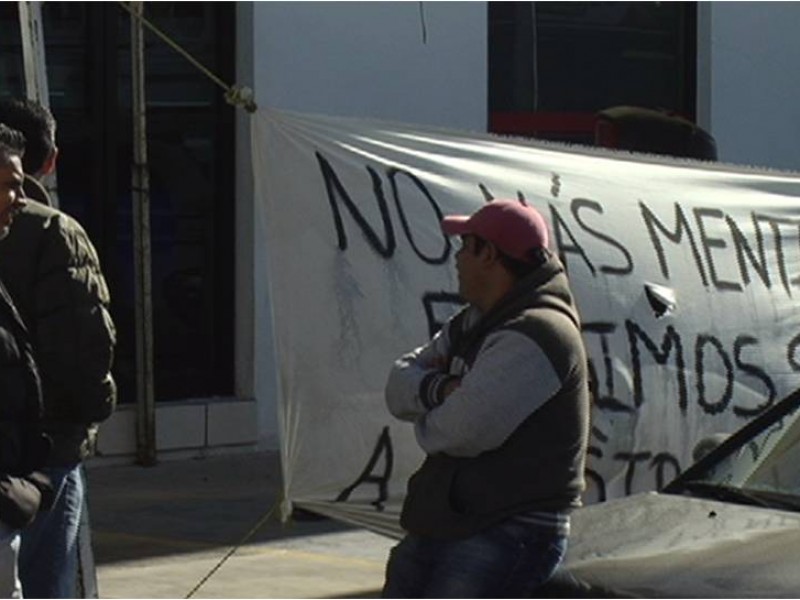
[(514, 228)]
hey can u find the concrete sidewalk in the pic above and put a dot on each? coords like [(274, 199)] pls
[(159, 531)]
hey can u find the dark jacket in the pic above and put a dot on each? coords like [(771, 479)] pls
[(52, 272), (539, 467), (23, 448)]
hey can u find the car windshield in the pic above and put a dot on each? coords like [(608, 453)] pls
[(759, 464)]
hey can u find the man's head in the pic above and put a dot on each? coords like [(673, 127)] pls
[(501, 242), (12, 150), (645, 130), (38, 126)]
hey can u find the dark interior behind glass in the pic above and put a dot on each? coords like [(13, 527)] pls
[(190, 144)]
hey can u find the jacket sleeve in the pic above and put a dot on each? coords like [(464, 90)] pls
[(417, 378), (510, 378), (74, 332)]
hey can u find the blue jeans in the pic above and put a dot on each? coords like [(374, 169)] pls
[(9, 559), (48, 559), (507, 560)]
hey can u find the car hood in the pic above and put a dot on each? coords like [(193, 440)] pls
[(664, 545)]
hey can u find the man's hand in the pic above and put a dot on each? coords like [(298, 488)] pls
[(451, 386), (437, 363)]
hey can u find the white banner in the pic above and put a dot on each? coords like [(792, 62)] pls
[(685, 276)]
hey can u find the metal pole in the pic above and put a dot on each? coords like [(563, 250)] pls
[(30, 26), (35, 69), (145, 401)]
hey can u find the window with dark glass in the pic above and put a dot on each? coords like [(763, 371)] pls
[(190, 136), (554, 65)]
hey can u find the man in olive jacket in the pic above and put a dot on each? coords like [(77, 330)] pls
[(52, 272)]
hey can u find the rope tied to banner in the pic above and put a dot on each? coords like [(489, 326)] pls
[(235, 95), (259, 524)]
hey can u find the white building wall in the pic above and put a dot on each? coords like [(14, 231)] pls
[(370, 59), (753, 84)]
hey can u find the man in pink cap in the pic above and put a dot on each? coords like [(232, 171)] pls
[(499, 400)]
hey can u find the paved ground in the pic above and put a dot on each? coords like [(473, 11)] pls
[(159, 531)]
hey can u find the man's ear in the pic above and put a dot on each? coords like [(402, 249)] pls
[(490, 252), (49, 164)]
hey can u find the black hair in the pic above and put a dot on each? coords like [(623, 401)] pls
[(37, 124), (647, 130), (536, 257), (12, 143)]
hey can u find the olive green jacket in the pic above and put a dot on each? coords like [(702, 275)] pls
[(52, 272)]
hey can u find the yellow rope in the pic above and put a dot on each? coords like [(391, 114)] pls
[(231, 552), (236, 95)]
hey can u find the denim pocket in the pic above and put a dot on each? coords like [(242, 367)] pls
[(540, 551)]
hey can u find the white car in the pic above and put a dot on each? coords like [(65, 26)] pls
[(727, 527)]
